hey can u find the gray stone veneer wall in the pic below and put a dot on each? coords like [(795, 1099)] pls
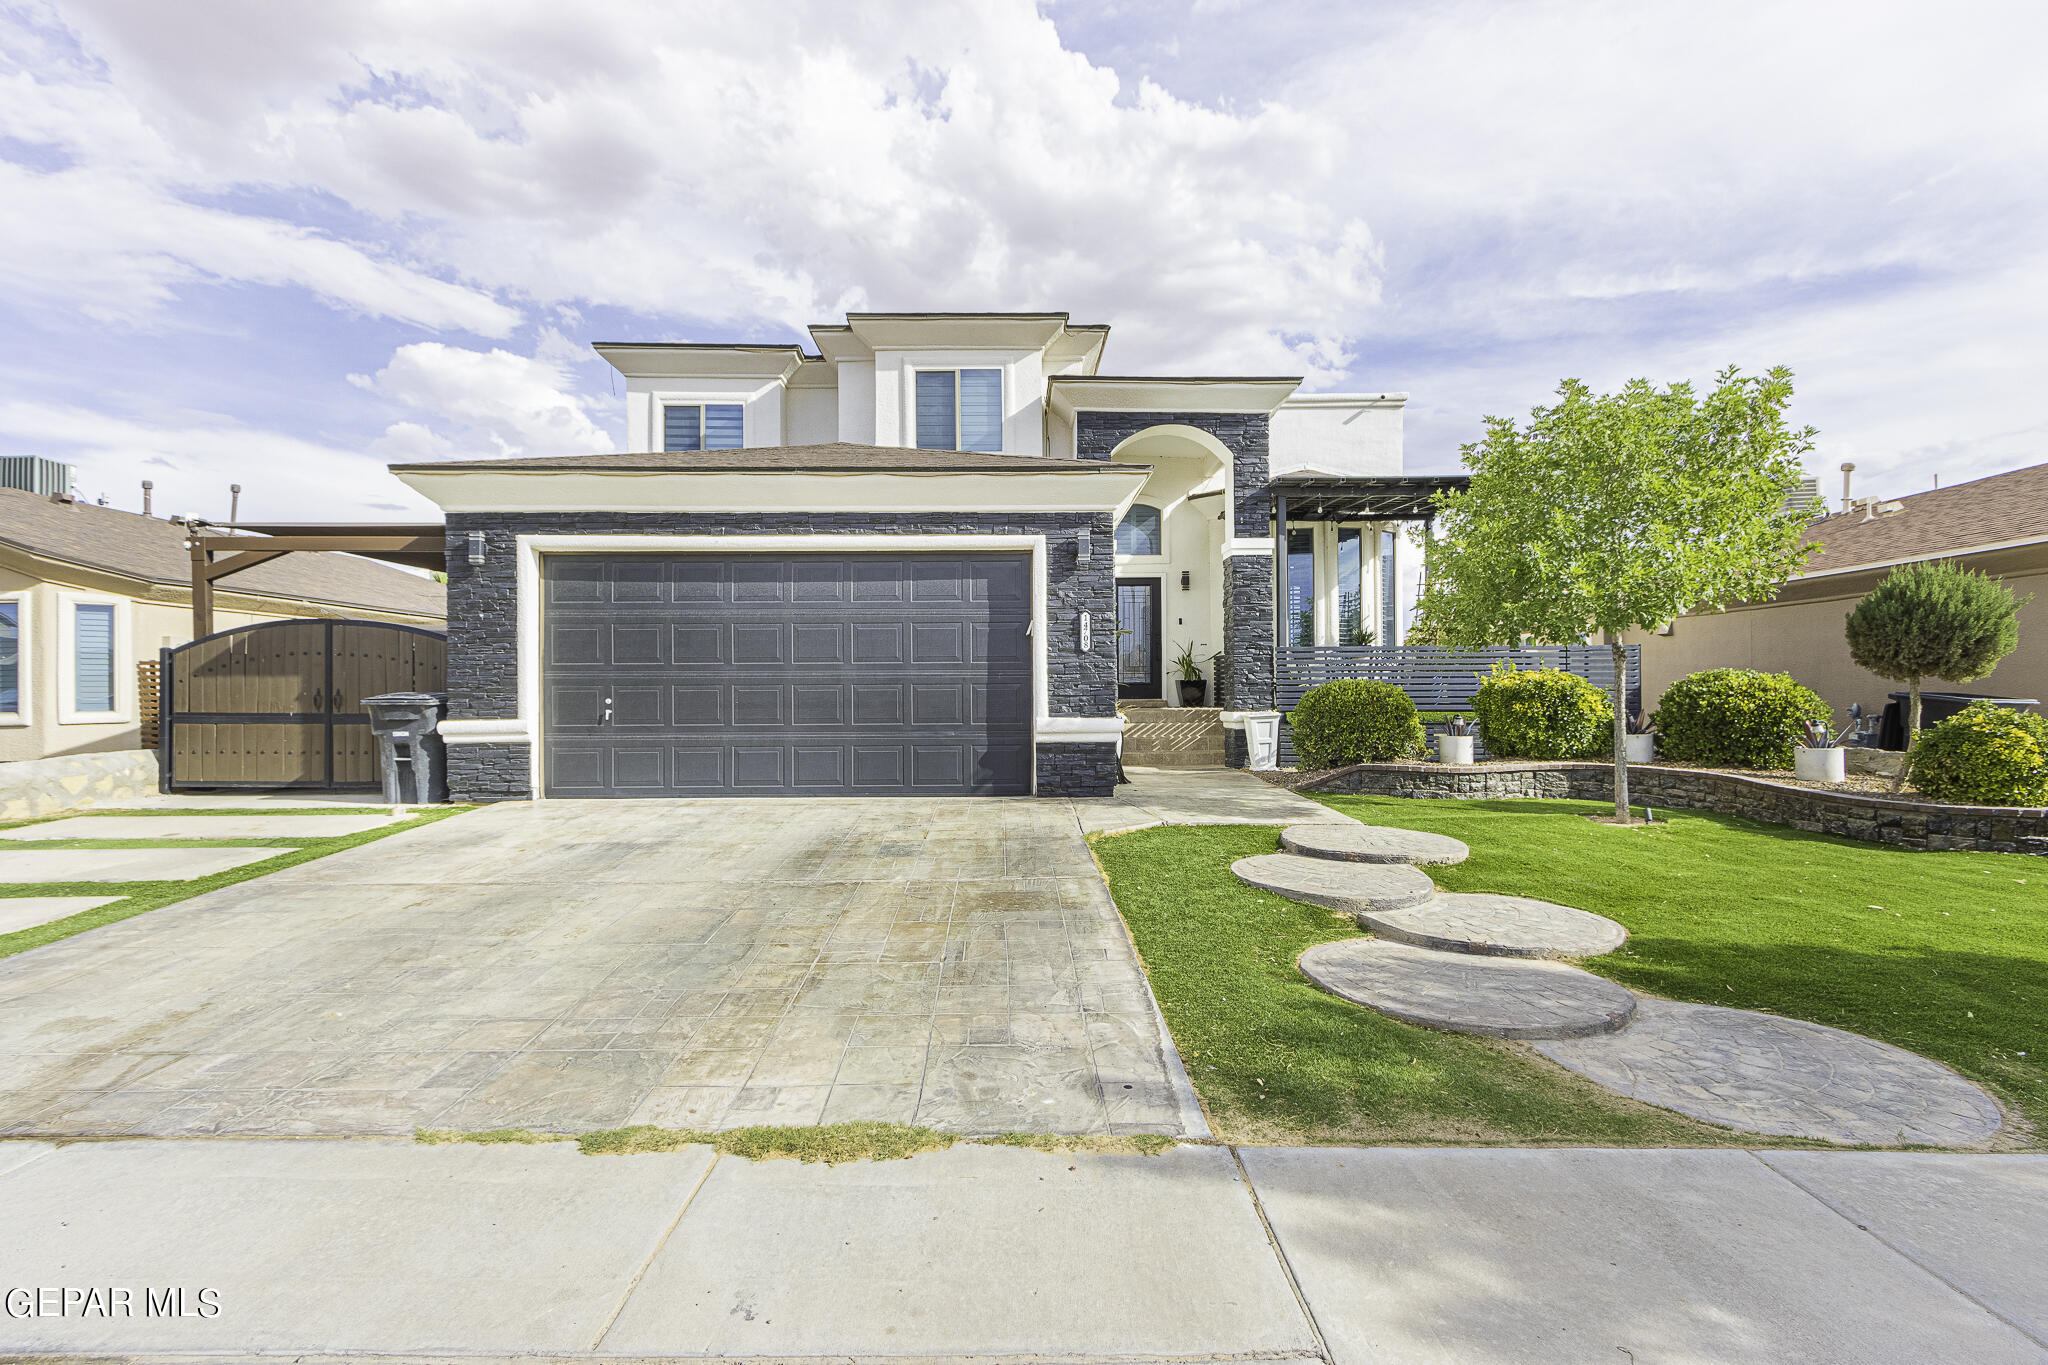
[(1921, 825), (483, 626), (1076, 769), (1247, 681)]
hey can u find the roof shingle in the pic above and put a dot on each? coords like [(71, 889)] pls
[(1990, 511)]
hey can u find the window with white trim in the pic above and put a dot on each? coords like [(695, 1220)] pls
[(13, 653), (960, 410), (703, 426), (1138, 532), (92, 658)]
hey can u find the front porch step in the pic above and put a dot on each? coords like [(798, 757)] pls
[(1159, 736)]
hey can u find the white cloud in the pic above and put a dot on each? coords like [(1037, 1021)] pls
[(515, 404)]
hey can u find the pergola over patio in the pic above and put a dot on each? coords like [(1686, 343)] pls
[(1330, 497)]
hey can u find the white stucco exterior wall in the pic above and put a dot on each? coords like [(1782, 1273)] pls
[(1346, 434)]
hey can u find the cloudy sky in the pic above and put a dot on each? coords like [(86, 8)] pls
[(282, 245)]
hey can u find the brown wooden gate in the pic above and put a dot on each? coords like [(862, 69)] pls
[(281, 704)]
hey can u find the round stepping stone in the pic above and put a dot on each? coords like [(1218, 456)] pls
[(1497, 996), (1352, 887), (1372, 844), (1786, 1077), (1498, 926)]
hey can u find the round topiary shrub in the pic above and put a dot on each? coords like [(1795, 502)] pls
[(1543, 713), (1354, 721), (1984, 755), (1735, 718)]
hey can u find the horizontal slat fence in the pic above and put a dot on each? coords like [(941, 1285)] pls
[(1440, 679), (146, 701)]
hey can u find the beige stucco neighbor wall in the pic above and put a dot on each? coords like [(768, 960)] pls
[(1801, 634)]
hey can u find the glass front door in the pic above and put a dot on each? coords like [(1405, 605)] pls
[(1137, 637)]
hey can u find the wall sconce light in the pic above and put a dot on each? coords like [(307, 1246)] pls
[(476, 547), (1186, 584), (1087, 639), (1083, 548)]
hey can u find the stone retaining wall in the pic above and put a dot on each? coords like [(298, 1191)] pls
[(50, 786), (1907, 823)]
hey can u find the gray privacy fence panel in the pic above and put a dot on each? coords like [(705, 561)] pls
[(1441, 679)]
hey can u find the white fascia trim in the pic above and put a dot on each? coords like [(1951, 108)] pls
[(1078, 729), (24, 659), (1345, 400), (1233, 547), (1110, 488), (532, 547), (1232, 720), (513, 731), (1090, 393)]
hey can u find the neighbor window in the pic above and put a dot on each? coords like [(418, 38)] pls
[(702, 426), (1301, 586), (10, 658), (1138, 532), (960, 410), (92, 657)]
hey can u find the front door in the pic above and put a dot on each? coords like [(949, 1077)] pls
[(1137, 638)]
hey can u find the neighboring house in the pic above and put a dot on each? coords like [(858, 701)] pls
[(927, 557), (1996, 525), (88, 592)]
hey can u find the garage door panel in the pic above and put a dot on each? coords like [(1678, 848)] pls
[(767, 675)]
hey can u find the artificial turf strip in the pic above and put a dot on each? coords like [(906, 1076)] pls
[(1944, 954), (1277, 1060), (139, 897)]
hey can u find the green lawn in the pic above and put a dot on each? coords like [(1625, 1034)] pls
[(138, 897), (1942, 953)]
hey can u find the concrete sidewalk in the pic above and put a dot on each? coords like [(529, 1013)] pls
[(379, 1248)]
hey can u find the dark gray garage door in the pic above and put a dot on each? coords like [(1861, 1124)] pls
[(788, 675)]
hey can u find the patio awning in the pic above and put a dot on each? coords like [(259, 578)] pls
[(1323, 497)]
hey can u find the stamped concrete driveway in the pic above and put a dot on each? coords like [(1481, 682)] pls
[(567, 966)]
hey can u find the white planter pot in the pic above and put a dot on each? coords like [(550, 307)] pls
[(1819, 765), (1641, 748), (1454, 748), (1262, 740)]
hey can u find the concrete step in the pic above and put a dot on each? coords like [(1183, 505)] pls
[(1351, 887), (1497, 926), (1372, 844), (1495, 996)]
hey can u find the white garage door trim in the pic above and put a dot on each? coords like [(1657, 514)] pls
[(529, 588)]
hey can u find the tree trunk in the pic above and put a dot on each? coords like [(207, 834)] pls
[(1912, 732), (1620, 729)]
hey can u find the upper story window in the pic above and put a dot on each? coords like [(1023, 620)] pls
[(10, 658), (92, 656), (702, 426), (1138, 532), (960, 410)]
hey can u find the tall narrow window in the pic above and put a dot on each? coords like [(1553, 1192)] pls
[(960, 410), (1351, 627), (10, 658), (1388, 624), (92, 654), (1301, 586), (702, 426), (1138, 532)]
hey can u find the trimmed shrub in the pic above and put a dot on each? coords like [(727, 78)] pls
[(1355, 721), (1735, 718), (1543, 713), (1985, 755)]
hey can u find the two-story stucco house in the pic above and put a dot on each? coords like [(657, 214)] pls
[(927, 557)]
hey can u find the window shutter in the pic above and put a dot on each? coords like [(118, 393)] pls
[(935, 430), (93, 656), (682, 427), (10, 657), (723, 424), (981, 410)]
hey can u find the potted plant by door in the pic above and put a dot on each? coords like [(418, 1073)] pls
[(1454, 745), (1193, 689), (1820, 757), (1642, 739)]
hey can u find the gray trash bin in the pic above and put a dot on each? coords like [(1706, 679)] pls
[(410, 751)]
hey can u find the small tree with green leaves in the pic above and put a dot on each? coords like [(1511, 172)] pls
[(1617, 512), (1933, 620)]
